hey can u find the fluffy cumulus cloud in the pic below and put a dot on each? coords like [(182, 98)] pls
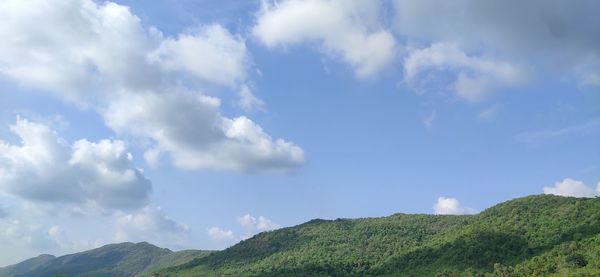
[(52, 179), (219, 234), (558, 36), (470, 41), (449, 205), (149, 219), (348, 30), (150, 224), (198, 52), (78, 58), (261, 223), (190, 128), (45, 168), (149, 83), (250, 224), (574, 188)]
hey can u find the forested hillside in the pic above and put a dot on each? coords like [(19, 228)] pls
[(536, 235), (542, 235), (123, 259)]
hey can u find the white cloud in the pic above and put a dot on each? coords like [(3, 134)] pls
[(106, 172), (58, 235), (246, 220), (191, 129), (19, 232), (27, 238), (448, 205), (77, 57), (428, 120), (62, 239), (217, 233), (261, 223), (570, 187), (17, 241), (251, 225), (248, 101), (348, 30), (210, 53), (476, 76), (150, 224), (45, 168), (143, 74), (149, 219), (552, 36), (52, 179), (28, 235)]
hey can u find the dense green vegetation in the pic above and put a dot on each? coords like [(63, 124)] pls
[(540, 235), (537, 235), (123, 259), (175, 259)]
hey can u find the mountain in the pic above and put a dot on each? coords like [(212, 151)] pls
[(541, 235), (123, 259), (175, 259), (26, 266)]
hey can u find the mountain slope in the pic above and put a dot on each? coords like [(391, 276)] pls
[(542, 234), (26, 266), (123, 259), (176, 258)]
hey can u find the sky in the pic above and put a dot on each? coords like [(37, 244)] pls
[(197, 124)]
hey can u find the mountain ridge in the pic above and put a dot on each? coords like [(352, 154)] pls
[(118, 259), (539, 235)]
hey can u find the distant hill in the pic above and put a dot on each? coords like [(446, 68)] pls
[(26, 266), (123, 259), (541, 235)]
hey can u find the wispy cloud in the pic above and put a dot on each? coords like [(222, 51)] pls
[(536, 137), (428, 120), (488, 114)]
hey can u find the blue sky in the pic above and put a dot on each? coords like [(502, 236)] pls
[(195, 124)]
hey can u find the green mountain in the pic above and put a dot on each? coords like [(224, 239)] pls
[(541, 235), (175, 259), (26, 266), (123, 259)]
